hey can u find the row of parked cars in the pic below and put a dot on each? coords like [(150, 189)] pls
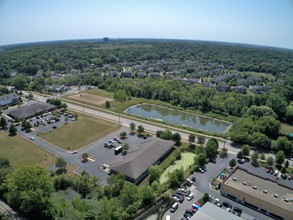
[(276, 173), (228, 206), (110, 143)]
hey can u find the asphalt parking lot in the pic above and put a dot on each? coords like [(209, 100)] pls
[(201, 186)]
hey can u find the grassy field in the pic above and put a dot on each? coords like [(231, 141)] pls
[(185, 162), (79, 133), (22, 152)]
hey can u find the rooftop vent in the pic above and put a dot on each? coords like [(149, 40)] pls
[(234, 178), (265, 191), (244, 183), (254, 187), (276, 195)]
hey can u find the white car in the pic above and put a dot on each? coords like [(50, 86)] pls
[(32, 138), (190, 196)]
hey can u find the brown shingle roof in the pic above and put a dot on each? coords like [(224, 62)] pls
[(135, 163), (31, 110)]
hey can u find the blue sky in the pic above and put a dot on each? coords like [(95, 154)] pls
[(261, 22)]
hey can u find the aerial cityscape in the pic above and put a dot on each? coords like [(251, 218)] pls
[(146, 110)]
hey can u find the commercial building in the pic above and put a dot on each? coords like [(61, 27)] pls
[(212, 212), (8, 99), (266, 195), (135, 164), (31, 110)]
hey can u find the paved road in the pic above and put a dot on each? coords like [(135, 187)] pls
[(5, 209), (232, 148)]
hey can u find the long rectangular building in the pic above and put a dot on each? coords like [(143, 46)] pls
[(265, 195)]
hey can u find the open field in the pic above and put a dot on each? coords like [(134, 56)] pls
[(185, 161), (89, 99), (21, 152), (79, 133)]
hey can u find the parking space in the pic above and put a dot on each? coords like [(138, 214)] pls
[(202, 185)]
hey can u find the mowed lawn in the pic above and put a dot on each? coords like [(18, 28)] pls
[(21, 152), (187, 159), (77, 134)]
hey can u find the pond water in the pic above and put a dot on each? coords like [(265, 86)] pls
[(172, 116)]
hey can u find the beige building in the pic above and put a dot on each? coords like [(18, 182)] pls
[(259, 193)]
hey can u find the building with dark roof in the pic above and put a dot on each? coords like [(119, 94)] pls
[(31, 110), (8, 99), (266, 195), (135, 164)]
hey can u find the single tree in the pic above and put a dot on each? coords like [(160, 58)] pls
[(254, 158), (125, 146), (245, 150), (232, 163), (270, 161), (262, 156), (211, 149), (61, 163), (84, 157), (132, 127), (201, 139), (12, 129), (240, 154), (205, 198), (3, 123), (154, 173), (123, 134), (191, 138), (107, 104), (280, 157), (201, 159), (176, 137), (140, 129)]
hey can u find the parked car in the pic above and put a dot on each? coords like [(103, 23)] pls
[(174, 207), (227, 204), (181, 199), (32, 138), (237, 209), (276, 173), (193, 179), (190, 196)]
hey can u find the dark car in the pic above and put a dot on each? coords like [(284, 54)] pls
[(227, 204), (237, 209), (181, 199), (214, 160), (193, 178)]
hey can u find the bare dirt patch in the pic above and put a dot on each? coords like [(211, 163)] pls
[(89, 98)]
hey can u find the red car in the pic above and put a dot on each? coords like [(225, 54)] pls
[(268, 170)]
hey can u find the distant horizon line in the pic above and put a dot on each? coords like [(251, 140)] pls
[(168, 39)]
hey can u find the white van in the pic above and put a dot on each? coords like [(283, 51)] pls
[(190, 196), (168, 217), (174, 207)]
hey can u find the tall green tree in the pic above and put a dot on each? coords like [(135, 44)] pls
[(12, 129), (3, 122), (29, 189), (191, 138), (176, 137), (245, 150), (140, 129), (280, 157), (154, 173)]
